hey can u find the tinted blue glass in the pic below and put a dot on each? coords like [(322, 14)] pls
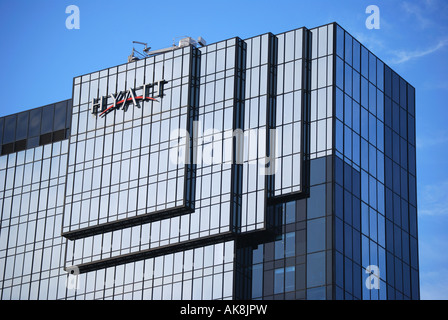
[(364, 155), (404, 184), (289, 278), (340, 73), (365, 251), (356, 148), (356, 246), (258, 254), (348, 142), (340, 42), (348, 48), (398, 274), (411, 129), (356, 117), (364, 124), (9, 131), (414, 252), (388, 111), (365, 224), (406, 280), (356, 86), (257, 280), (34, 124), (373, 225), (316, 269), (372, 129), (280, 248), (388, 141), (315, 205), (290, 243), (364, 186), (356, 183), (415, 284), (348, 275), (396, 178), (22, 129), (279, 280), (317, 171), (396, 147), (356, 55), (348, 110), (388, 81), (397, 241), (339, 136), (372, 99), (380, 105), (364, 93), (364, 62), (347, 177), (290, 212), (380, 74), (405, 249), (348, 79), (60, 115), (348, 207), (2, 121), (316, 235), (403, 153), (380, 135), (338, 171), (395, 87), (316, 293), (390, 269), (339, 238), (47, 119), (339, 272), (412, 191), (380, 166), (339, 105), (372, 68), (413, 221), (411, 160), (338, 201), (373, 253), (403, 93), (348, 244), (411, 100)]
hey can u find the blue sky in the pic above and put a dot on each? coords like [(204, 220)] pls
[(40, 57)]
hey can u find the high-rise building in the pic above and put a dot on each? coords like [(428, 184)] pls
[(276, 167)]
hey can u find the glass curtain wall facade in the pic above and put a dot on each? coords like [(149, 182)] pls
[(276, 167)]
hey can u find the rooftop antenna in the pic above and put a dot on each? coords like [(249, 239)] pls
[(133, 58)]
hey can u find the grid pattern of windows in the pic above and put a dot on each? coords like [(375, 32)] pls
[(35, 127), (161, 200), (400, 191), (297, 265), (291, 89), (201, 273), (370, 166), (120, 165), (257, 108), (32, 186), (359, 178)]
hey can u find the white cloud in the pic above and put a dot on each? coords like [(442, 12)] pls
[(403, 56), (434, 285), (433, 199), (436, 139)]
